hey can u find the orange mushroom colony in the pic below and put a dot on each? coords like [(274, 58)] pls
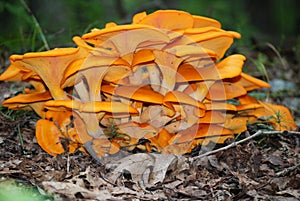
[(158, 84)]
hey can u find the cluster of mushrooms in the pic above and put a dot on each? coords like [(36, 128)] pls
[(159, 84)]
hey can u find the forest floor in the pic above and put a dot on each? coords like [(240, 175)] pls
[(266, 167)]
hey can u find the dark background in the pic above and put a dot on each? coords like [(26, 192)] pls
[(274, 21)]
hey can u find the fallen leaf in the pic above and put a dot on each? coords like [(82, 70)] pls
[(146, 169), (73, 190)]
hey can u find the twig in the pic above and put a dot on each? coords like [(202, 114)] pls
[(36, 24), (244, 140), (287, 170), (68, 164), (6, 172)]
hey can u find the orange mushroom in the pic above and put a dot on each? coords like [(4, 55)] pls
[(138, 93), (277, 115), (200, 21), (219, 105), (166, 19), (229, 67), (211, 38), (212, 117), (250, 83), (50, 66), (161, 140), (85, 110), (237, 123), (225, 91), (135, 34), (182, 98), (168, 64), (161, 78), (34, 100), (210, 132), (48, 137)]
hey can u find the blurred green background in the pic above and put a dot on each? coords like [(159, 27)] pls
[(274, 21), (270, 28)]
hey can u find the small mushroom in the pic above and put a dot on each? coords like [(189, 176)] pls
[(48, 137)]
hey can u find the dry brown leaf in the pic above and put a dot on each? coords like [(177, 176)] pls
[(72, 190), (146, 169)]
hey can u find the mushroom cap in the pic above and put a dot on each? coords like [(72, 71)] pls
[(250, 83), (138, 131), (50, 66), (200, 131), (212, 38), (48, 137), (229, 67), (200, 21), (168, 64), (182, 98), (279, 116), (135, 34), (190, 52), (237, 123), (24, 99), (90, 107), (17, 70), (225, 91), (219, 105), (13, 73), (142, 56), (138, 93), (34, 100), (161, 140), (166, 19), (212, 117)]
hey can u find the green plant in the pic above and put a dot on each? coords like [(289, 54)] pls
[(13, 191)]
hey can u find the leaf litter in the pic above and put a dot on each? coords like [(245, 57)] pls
[(263, 168), (245, 172)]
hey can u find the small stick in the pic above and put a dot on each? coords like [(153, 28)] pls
[(244, 140), (287, 170), (68, 164)]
